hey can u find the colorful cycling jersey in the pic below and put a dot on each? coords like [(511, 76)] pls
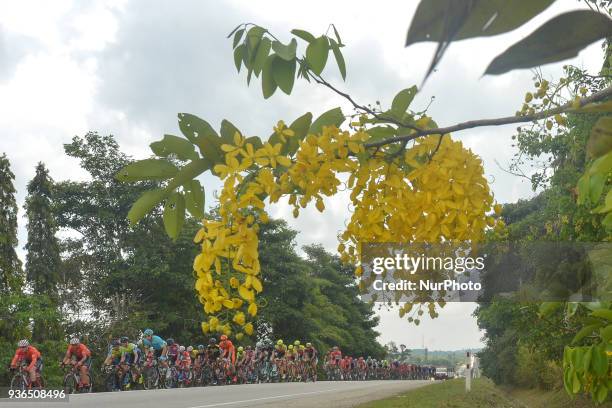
[(156, 342), (280, 350), (115, 352), (172, 351), (128, 349), (239, 355), (213, 351), (78, 350), (310, 352), (29, 355)]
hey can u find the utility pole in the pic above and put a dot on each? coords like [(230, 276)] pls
[(468, 371)]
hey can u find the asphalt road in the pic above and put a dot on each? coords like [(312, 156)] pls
[(296, 395)]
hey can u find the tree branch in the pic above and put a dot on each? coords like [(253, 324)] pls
[(596, 97)]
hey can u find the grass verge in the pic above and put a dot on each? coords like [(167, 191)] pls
[(450, 394)]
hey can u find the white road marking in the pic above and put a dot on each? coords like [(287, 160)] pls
[(219, 404)]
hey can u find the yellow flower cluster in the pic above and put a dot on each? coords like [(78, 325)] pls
[(397, 196)]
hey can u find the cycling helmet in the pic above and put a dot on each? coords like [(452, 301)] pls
[(212, 340), (308, 344), (296, 343), (148, 332), (190, 349), (223, 337), (170, 341), (241, 349), (181, 348), (23, 343), (74, 341), (259, 344), (124, 339), (291, 347), (279, 342), (115, 343), (200, 346), (163, 358), (249, 348), (335, 347)]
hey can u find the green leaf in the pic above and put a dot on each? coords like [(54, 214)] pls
[(607, 205), (602, 165), (337, 35), (194, 198), (606, 333), (188, 173), (601, 394), (300, 127), (174, 215), (238, 56), (148, 169), (200, 133), (316, 54), (586, 360), (607, 222), (560, 38), (227, 131), (596, 186), (253, 37), (286, 52), (333, 117), (603, 313), (145, 203), (237, 37), (600, 141), (575, 383), (403, 99), (170, 144), (599, 360), (381, 132), (304, 35), (583, 188), (339, 58), (260, 57), (546, 308), (482, 19), (268, 85), (234, 30), (283, 73), (584, 332), (255, 141)]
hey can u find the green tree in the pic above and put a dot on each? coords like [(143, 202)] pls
[(10, 265), (43, 256), (313, 299), (130, 277)]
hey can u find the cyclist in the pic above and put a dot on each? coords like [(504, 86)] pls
[(151, 340), (183, 362), (172, 350), (31, 356), (212, 351), (311, 357), (130, 356), (278, 356), (335, 356), (228, 354), (82, 356)]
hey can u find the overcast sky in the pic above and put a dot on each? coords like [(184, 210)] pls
[(128, 67)]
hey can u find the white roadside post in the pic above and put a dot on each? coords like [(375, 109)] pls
[(468, 372)]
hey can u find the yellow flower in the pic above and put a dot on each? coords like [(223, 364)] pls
[(270, 155), (239, 318), (248, 328), (281, 130)]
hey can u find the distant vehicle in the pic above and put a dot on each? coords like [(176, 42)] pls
[(441, 373)]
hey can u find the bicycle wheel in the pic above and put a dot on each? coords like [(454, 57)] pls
[(18, 382), (70, 384), (151, 378)]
